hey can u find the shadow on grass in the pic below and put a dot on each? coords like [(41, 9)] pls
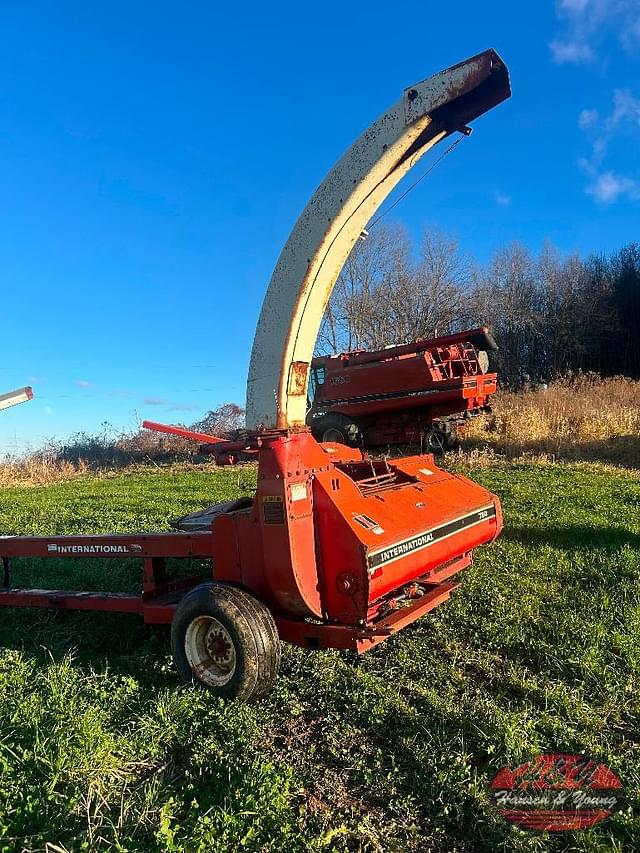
[(573, 537), (97, 640), (120, 644), (409, 743)]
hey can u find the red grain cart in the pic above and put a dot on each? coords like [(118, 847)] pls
[(418, 393)]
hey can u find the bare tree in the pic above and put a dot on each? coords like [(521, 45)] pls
[(550, 313), (508, 296), (426, 297), (386, 295), (350, 319), (223, 421), (565, 310)]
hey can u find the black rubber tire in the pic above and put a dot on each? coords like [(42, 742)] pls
[(251, 628), (442, 436), (338, 429), (451, 438), (435, 441)]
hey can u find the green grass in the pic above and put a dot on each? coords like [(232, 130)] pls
[(101, 749)]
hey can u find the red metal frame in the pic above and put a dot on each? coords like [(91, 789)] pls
[(343, 549), (182, 432), (160, 594)]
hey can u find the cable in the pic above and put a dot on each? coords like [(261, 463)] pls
[(415, 183)]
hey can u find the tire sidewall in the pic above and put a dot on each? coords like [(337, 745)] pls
[(337, 429), (210, 600), (435, 442), (347, 429)]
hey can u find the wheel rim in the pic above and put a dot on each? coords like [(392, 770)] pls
[(210, 651), (333, 434)]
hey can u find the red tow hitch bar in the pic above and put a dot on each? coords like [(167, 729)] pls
[(225, 452)]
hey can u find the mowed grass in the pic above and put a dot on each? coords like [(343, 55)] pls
[(102, 749)]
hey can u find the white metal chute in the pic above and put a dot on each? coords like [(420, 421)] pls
[(334, 218), (13, 398)]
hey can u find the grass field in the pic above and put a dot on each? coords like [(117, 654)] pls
[(101, 749)]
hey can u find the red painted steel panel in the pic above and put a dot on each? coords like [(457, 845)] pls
[(112, 546)]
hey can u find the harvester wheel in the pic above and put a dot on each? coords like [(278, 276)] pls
[(452, 441), (449, 436), (441, 437), (337, 429), (435, 441), (225, 640)]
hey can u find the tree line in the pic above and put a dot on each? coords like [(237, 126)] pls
[(550, 313)]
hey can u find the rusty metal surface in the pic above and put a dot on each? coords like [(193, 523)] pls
[(365, 637), (298, 378), (118, 602), (328, 227)]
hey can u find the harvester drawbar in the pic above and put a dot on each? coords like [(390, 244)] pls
[(336, 549)]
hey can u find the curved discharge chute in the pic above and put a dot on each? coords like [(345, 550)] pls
[(334, 218), (13, 398)]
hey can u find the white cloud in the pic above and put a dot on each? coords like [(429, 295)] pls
[(170, 406), (585, 23), (576, 6), (571, 51), (630, 37), (625, 106), (608, 187), (82, 383), (502, 199), (587, 118), (624, 117)]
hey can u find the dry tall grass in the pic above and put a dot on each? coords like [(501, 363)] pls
[(97, 454), (39, 470), (579, 417), (582, 417)]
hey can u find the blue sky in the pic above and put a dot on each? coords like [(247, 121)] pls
[(154, 156)]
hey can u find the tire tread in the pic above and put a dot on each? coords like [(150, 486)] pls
[(254, 626)]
